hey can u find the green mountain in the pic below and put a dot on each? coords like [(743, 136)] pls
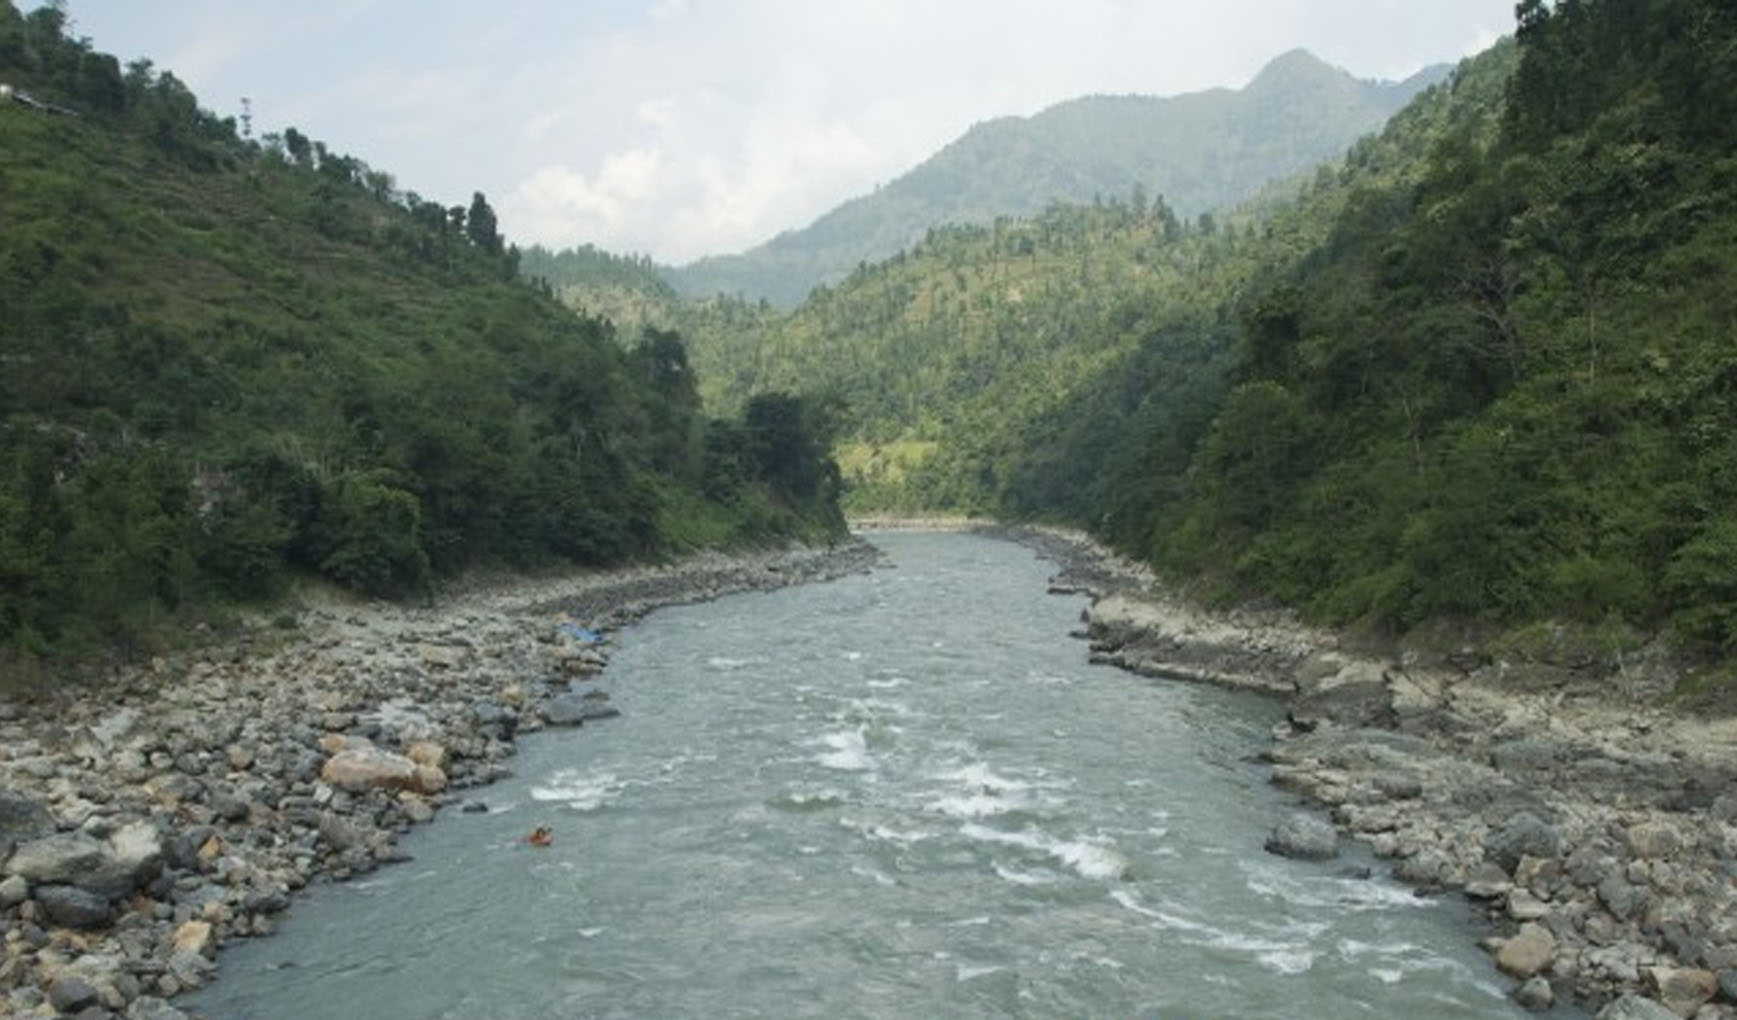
[(949, 361), (230, 361), (1203, 152), (1499, 391), (1492, 386), (627, 290)]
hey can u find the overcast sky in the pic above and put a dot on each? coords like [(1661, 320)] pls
[(681, 128)]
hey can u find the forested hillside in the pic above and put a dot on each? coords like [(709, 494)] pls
[(628, 290), (1480, 370), (967, 364), (1204, 151), (231, 360), (1502, 390)]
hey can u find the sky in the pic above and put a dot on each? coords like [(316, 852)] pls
[(682, 128)]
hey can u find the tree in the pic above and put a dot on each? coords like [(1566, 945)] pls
[(300, 149), (480, 225)]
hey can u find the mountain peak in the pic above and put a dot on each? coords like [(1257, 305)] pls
[(1199, 151), (1292, 65)]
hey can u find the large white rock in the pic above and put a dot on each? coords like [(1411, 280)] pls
[(194, 937), (138, 849), (367, 768), (1526, 954), (364, 768)]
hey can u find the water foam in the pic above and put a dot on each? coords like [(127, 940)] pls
[(967, 972), (1283, 955), (1088, 859), (849, 751), (980, 805), (875, 875), (811, 800), (1018, 877), (1353, 894), (578, 791)]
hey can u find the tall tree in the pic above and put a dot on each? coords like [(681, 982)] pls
[(480, 225)]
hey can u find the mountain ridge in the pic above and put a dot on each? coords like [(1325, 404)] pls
[(1202, 151)]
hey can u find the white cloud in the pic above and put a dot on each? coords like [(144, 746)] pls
[(557, 204), (659, 113), (681, 129)]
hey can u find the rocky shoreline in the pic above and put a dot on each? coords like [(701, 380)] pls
[(147, 822), (1594, 831)]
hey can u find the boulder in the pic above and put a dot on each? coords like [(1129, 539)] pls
[(22, 819), (190, 970), (63, 857), (358, 769), (494, 719), (115, 727), (194, 937), (1430, 867), (183, 847), (1633, 1007), (1528, 953), (1399, 787), (1624, 901), (1535, 994), (1303, 836), (340, 833), (71, 907), (444, 656), (1522, 835), (1682, 990), (572, 709), (1487, 882), (14, 889), (427, 752), (337, 743), (565, 710), (70, 995), (419, 811), (1353, 704), (137, 849), (1653, 840), (107, 973), (427, 779), (1523, 906)]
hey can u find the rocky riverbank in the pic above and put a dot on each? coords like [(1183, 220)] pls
[(146, 823), (1594, 830)]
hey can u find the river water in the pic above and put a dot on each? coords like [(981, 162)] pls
[(897, 795)]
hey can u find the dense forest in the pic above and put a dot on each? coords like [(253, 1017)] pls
[(1499, 389), (230, 361), (1478, 370)]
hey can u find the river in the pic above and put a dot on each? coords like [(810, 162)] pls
[(904, 794)]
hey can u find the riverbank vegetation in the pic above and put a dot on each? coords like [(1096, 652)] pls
[(229, 361)]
